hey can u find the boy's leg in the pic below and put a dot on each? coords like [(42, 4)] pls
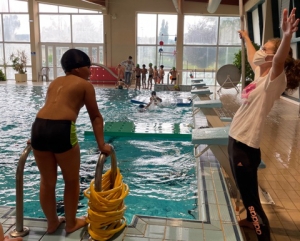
[(244, 162), (69, 163), (47, 166)]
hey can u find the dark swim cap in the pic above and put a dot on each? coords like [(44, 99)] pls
[(74, 58)]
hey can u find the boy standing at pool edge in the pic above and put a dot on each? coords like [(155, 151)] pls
[(54, 140)]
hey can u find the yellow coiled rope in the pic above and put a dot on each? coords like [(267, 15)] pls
[(106, 208)]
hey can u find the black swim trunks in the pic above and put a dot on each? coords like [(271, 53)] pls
[(56, 136), (120, 87)]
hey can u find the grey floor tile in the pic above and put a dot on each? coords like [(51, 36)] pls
[(184, 234), (155, 231), (213, 235)]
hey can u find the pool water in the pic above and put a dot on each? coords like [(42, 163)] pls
[(160, 173)]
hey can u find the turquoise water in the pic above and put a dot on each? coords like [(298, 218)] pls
[(160, 173)]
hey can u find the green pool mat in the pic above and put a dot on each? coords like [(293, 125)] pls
[(133, 129)]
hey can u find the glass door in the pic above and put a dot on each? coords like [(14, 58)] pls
[(95, 52), (51, 55)]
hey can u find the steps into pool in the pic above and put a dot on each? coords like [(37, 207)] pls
[(134, 129)]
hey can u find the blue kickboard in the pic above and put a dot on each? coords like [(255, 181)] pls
[(207, 104), (211, 136), (145, 100), (201, 92)]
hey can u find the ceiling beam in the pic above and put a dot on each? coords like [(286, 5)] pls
[(102, 3), (178, 5), (213, 5), (99, 2)]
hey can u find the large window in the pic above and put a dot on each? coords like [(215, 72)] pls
[(209, 43), (62, 28), (156, 40), (14, 34)]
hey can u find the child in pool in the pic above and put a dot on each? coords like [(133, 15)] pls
[(54, 140), (154, 99), (121, 85)]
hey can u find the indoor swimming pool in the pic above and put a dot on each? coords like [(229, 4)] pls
[(160, 173)]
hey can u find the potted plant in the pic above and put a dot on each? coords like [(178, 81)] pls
[(19, 61), (2, 76), (237, 61)]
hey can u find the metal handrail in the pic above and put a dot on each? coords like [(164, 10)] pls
[(20, 230), (99, 169)]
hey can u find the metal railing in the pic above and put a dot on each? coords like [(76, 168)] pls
[(21, 230), (99, 169)]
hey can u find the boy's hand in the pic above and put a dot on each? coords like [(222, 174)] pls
[(106, 149)]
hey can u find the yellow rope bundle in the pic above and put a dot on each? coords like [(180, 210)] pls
[(106, 208)]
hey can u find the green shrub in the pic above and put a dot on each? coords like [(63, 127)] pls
[(237, 61), (2, 76)]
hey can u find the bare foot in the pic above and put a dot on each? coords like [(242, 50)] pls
[(7, 238), (245, 223), (53, 226), (80, 222)]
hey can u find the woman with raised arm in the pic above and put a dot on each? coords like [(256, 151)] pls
[(275, 71)]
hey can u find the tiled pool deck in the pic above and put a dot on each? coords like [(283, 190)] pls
[(217, 218)]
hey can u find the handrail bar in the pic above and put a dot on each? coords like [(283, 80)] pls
[(99, 169), (20, 230)]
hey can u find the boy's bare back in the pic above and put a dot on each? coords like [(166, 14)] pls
[(65, 97)]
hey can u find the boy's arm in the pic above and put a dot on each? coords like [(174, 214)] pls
[(95, 117)]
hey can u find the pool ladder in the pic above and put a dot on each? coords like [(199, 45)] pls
[(21, 230)]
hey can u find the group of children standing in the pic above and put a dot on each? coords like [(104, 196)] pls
[(140, 74)]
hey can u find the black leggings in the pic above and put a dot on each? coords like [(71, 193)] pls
[(244, 161)]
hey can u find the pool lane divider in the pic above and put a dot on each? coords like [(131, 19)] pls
[(134, 129)]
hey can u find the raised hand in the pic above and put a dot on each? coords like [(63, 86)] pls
[(289, 24), (243, 34)]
